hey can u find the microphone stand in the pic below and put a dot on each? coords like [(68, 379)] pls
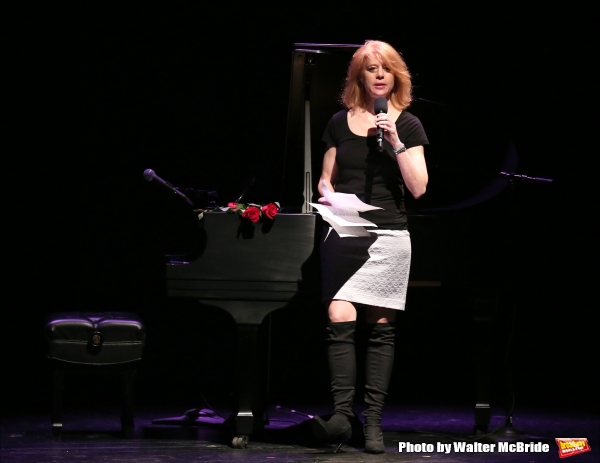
[(150, 175), (507, 432), (183, 196), (523, 177)]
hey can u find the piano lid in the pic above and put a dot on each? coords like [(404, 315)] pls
[(317, 79), (326, 47)]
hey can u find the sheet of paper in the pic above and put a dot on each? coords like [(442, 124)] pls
[(343, 217), (346, 232), (346, 222), (346, 201), (342, 213)]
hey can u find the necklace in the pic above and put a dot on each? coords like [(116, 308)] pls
[(366, 116)]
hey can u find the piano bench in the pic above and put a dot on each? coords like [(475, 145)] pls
[(94, 343)]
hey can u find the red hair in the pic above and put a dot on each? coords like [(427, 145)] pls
[(354, 92)]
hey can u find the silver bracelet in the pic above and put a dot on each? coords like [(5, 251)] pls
[(402, 149)]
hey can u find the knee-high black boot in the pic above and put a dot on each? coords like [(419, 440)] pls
[(378, 371), (342, 372)]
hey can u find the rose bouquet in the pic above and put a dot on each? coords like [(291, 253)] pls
[(252, 212)]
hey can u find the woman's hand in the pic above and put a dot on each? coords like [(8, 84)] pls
[(324, 201), (389, 129)]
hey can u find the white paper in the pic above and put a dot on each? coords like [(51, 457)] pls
[(346, 232), (342, 215), (346, 201)]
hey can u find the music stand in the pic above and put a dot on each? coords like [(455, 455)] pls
[(487, 314)]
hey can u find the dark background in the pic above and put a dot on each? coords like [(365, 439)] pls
[(97, 94)]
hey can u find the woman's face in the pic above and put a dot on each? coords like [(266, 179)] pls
[(377, 79)]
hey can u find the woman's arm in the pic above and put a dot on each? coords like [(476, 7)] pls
[(329, 172), (411, 161), (414, 170)]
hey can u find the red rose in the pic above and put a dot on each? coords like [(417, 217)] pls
[(252, 213), (270, 210)]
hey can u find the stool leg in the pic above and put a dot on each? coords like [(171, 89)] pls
[(127, 424), (57, 401)]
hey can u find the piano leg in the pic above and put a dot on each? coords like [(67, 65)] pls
[(57, 401), (484, 317), (248, 419), (248, 317)]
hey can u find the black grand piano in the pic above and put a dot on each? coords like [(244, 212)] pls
[(227, 273)]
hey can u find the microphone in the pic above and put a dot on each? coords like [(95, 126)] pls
[(150, 176), (381, 106)]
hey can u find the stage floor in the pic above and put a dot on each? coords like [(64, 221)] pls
[(92, 435)]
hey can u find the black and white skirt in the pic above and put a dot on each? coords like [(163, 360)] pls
[(366, 270)]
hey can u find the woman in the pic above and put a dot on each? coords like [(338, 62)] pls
[(369, 272)]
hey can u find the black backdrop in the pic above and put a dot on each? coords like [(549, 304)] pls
[(97, 94)]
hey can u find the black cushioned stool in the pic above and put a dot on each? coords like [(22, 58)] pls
[(95, 342)]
